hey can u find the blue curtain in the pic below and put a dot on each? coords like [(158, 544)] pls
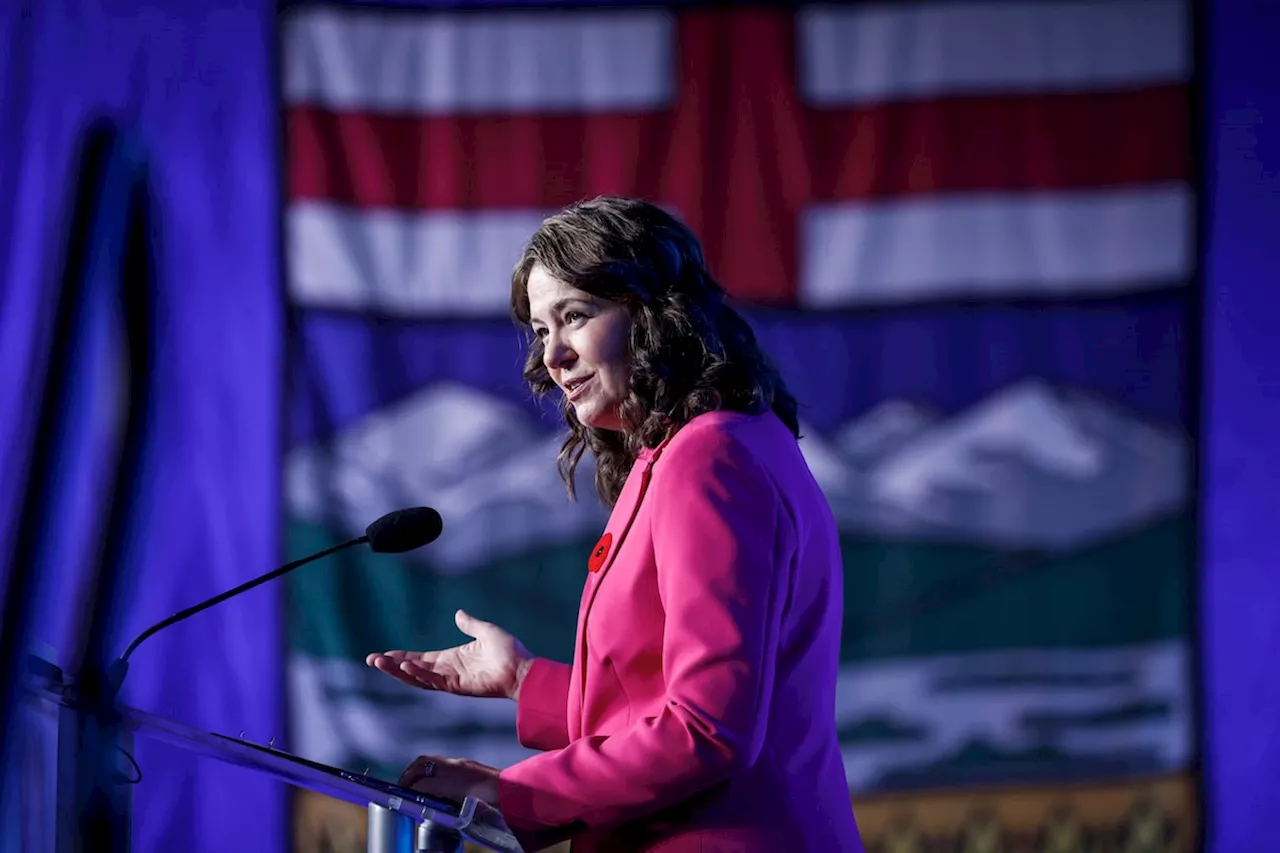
[(198, 78), (195, 78), (1240, 593)]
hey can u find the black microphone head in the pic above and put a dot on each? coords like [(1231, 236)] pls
[(404, 530)]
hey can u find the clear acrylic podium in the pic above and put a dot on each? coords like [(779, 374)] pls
[(400, 820)]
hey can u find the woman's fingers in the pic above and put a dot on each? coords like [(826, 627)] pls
[(417, 669), (394, 660), (414, 772), (399, 655), (430, 678), (383, 659), (412, 673), (415, 677), (389, 668)]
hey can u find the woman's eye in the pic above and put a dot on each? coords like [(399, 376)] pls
[(574, 316), (539, 333)]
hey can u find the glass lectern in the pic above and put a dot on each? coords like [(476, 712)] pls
[(400, 820)]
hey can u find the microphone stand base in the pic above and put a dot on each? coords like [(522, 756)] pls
[(437, 839), (393, 832), (389, 831)]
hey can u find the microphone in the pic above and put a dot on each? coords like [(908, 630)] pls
[(394, 533)]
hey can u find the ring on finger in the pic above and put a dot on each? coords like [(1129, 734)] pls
[(429, 769)]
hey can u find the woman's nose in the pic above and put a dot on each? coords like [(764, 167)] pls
[(556, 354)]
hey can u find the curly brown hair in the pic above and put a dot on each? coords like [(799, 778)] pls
[(691, 352)]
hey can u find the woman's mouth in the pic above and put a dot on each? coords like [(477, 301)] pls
[(575, 388)]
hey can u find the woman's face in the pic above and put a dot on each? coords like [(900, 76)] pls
[(585, 347)]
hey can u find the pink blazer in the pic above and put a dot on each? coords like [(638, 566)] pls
[(699, 712)]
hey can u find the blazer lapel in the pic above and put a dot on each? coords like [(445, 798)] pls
[(607, 547)]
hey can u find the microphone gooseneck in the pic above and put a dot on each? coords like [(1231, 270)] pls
[(247, 585), (394, 533)]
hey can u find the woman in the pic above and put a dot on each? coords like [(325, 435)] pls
[(699, 711)]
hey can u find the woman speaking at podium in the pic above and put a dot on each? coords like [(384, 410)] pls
[(698, 714)]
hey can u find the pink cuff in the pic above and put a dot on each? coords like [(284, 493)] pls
[(542, 709)]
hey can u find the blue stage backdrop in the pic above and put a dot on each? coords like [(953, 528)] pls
[(975, 265), (196, 79), (1240, 622)]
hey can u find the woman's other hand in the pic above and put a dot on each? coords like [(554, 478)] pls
[(452, 779), (492, 665)]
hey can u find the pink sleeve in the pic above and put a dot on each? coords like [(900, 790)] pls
[(720, 536), (541, 710)]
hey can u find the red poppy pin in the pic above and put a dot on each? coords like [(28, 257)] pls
[(600, 553)]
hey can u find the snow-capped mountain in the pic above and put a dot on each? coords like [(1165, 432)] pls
[(885, 429), (829, 466), (1030, 466), (844, 482), (481, 462), (1034, 467)]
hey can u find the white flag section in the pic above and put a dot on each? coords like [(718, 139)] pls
[(1095, 242), (856, 54), (455, 64), (410, 263), (459, 263)]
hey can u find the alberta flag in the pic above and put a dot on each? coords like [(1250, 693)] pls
[(964, 230)]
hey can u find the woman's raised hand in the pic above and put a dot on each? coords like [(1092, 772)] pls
[(492, 665)]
